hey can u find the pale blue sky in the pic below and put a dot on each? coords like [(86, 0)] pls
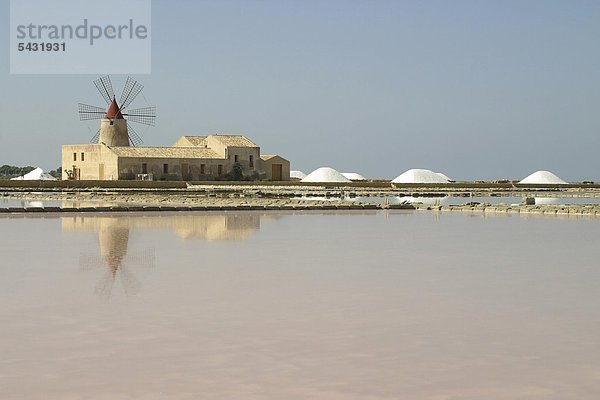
[(474, 89)]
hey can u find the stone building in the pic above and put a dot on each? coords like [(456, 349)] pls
[(191, 158)]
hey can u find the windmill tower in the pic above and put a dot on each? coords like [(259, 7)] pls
[(115, 128)]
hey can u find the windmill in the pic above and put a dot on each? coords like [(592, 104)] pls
[(115, 128)]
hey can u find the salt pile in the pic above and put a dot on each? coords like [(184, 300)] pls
[(353, 176), (444, 176), (542, 178), (325, 174), (421, 176), (37, 174), (297, 175)]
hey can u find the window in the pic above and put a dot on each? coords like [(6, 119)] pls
[(144, 168), (251, 161), (220, 169), (202, 166), (235, 158), (82, 156), (74, 156), (165, 168)]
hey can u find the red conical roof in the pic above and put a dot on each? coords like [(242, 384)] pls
[(113, 111)]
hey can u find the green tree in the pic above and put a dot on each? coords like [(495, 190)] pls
[(237, 172), (57, 173), (10, 171)]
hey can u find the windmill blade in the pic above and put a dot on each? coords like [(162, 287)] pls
[(134, 139), (130, 91), (129, 282), (104, 86), (87, 112), (143, 259), (95, 138), (146, 115), (105, 284), (89, 262)]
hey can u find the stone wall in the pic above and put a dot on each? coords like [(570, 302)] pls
[(113, 132), (243, 158), (130, 167), (266, 167), (89, 162)]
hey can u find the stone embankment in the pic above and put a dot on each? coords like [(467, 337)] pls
[(554, 209), (238, 198)]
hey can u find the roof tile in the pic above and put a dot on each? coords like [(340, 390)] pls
[(165, 152)]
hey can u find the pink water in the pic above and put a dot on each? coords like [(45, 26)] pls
[(300, 306)]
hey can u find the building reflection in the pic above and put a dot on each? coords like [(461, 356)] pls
[(118, 260), (186, 226)]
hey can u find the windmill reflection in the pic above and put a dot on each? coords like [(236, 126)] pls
[(113, 240), (114, 233)]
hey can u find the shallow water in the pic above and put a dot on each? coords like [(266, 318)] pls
[(355, 305), (28, 203)]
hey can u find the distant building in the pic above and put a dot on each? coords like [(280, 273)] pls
[(191, 158)]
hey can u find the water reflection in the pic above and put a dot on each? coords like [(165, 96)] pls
[(548, 201), (4, 203), (114, 240), (206, 227), (318, 305), (434, 201)]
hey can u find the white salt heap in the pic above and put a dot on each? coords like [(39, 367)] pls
[(444, 176), (542, 178), (297, 175), (421, 176), (37, 174), (325, 174), (353, 176)]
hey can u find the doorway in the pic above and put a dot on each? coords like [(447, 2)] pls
[(185, 171), (277, 172)]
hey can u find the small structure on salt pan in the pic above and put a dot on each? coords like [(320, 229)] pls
[(421, 176), (325, 174), (37, 174), (297, 175), (353, 176), (543, 178)]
